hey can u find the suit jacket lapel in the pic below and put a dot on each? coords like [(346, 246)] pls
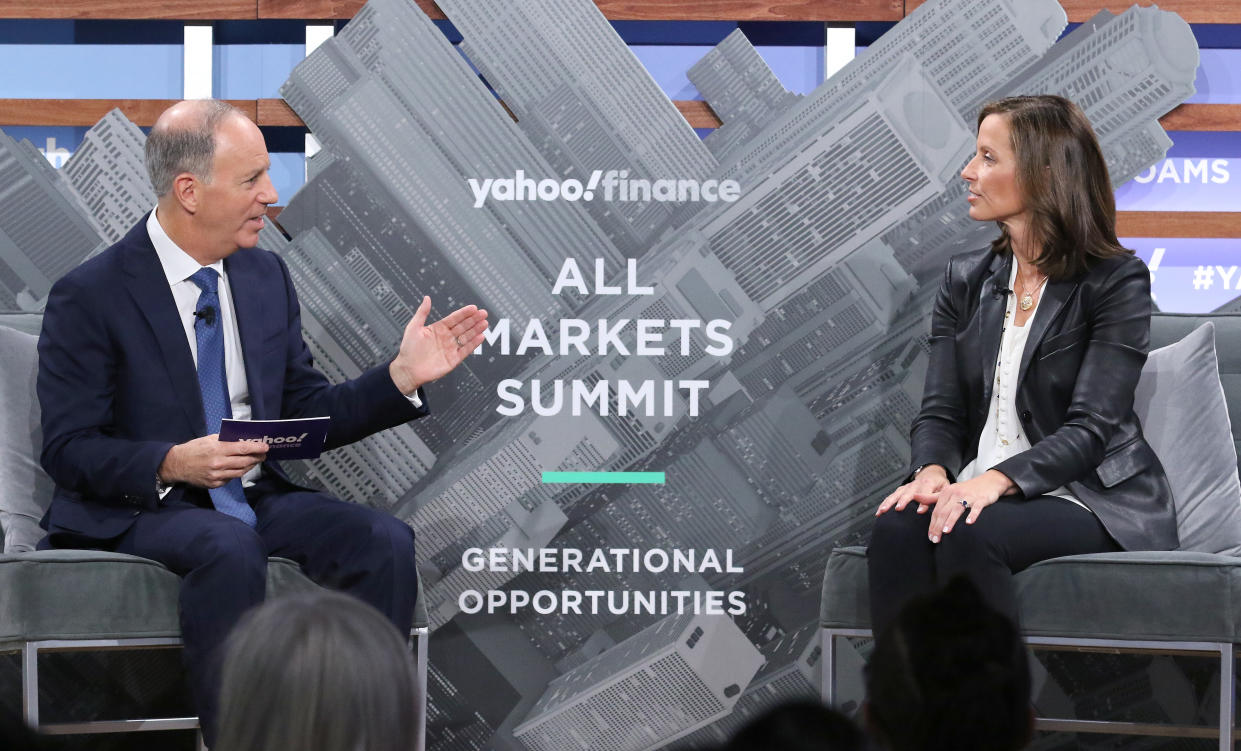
[(149, 288), (991, 321), (248, 305), (1049, 305)]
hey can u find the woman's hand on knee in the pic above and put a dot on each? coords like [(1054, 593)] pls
[(923, 490), (966, 499)]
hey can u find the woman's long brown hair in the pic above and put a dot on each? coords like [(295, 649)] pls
[(1063, 176)]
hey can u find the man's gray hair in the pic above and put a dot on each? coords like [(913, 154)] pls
[(171, 151)]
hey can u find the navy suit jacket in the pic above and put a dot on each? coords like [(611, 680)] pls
[(118, 387)]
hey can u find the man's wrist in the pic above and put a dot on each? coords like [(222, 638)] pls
[(163, 483), (164, 475), (403, 383)]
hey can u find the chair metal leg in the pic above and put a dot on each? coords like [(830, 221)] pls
[(30, 685), (828, 687), (30, 688), (1225, 730), (1227, 695), (831, 655), (420, 637)]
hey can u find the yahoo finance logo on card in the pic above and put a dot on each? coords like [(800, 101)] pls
[(286, 439)]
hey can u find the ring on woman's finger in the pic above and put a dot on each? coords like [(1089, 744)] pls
[(964, 503)]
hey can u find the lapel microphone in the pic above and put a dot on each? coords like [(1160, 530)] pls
[(206, 314), (997, 290)]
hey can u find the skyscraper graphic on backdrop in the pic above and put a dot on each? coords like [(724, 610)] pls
[(44, 228), (1124, 71), (392, 257), (109, 172), (404, 74), (1120, 67), (895, 151), (742, 90), (727, 233), (826, 265), (966, 49), (585, 102), (790, 671), (349, 330), (809, 335), (665, 682)]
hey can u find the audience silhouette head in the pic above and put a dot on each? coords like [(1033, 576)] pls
[(318, 671), (949, 674), (799, 726)]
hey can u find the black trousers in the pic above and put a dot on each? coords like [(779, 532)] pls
[(223, 565), (1008, 536)]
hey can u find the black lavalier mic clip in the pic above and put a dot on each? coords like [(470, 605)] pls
[(206, 314)]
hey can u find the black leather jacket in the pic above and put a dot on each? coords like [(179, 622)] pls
[(1083, 356)]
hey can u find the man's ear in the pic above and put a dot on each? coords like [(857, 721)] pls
[(185, 188)]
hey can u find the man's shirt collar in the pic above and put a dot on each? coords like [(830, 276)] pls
[(178, 265)]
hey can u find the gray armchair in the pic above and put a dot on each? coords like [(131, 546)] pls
[(1177, 602), (83, 600)]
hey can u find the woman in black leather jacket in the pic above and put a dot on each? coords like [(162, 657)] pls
[(1026, 446)]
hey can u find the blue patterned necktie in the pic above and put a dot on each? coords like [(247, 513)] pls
[(229, 498)]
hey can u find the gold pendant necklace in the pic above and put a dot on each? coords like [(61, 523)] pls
[(1027, 297)]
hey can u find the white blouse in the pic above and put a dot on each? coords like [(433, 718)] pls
[(1002, 435)]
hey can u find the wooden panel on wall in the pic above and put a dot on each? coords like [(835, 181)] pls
[(645, 10), (1170, 224), (87, 112), (699, 114), (1203, 117), (1178, 224), (323, 9), (1193, 11), (277, 112), (176, 10)]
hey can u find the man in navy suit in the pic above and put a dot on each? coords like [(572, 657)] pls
[(146, 347)]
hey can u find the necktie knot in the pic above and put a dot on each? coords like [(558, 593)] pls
[(206, 278)]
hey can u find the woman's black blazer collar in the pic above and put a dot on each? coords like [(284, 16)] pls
[(1083, 356)]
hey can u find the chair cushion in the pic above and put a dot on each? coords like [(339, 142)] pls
[(1184, 415), (1172, 595), (1170, 327), (1159, 596), (91, 594), (25, 489), (846, 600), (28, 323)]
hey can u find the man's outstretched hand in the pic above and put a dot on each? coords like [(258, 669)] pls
[(429, 352)]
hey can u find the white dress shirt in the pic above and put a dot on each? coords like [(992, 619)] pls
[(1003, 435), (178, 268)]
